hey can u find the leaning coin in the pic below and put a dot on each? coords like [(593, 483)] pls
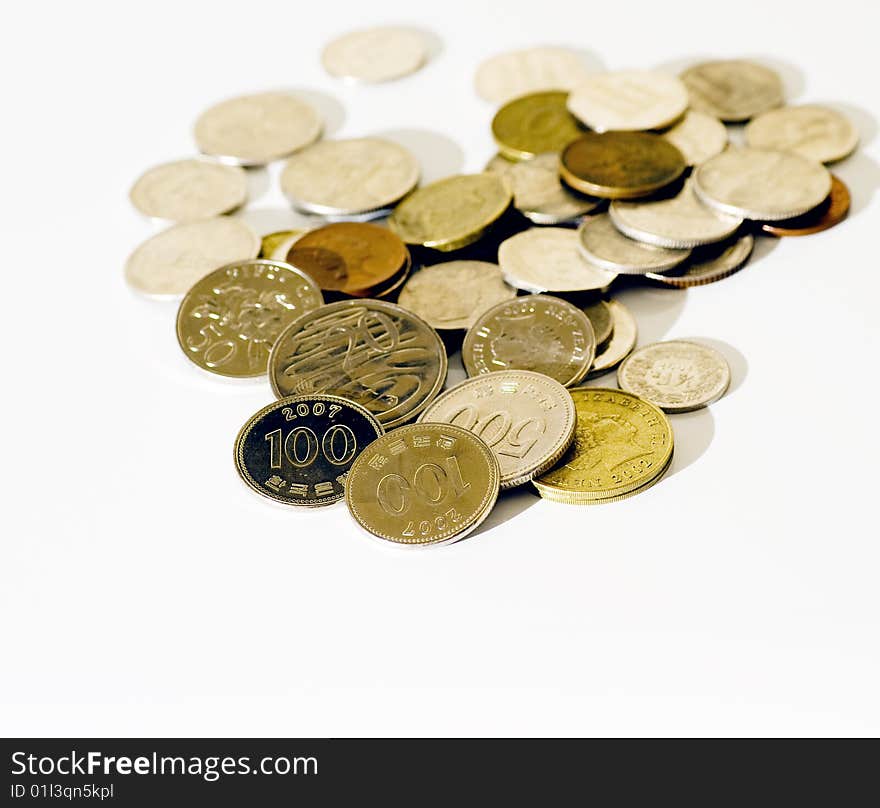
[(375, 54), (253, 130), (526, 418), (707, 264), (189, 190), (759, 184), (677, 376), (536, 332), (733, 90), (170, 262), (829, 213), (272, 242), (621, 344), (600, 317), (514, 73), (602, 244), (812, 131), (534, 123), (229, 320), (370, 351), (698, 137), (300, 450)]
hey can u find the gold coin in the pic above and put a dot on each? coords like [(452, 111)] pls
[(272, 241), (423, 484), (452, 212), (599, 315), (620, 165), (228, 322), (621, 344), (532, 124)]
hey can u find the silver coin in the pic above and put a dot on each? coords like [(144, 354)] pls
[(676, 376), (698, 137), (732, 90), (603, 245), (623, 340), (547, 259), (253, 130), (509, 75), (761, 184), (349, 177), (812, 131), (170, 262), (708, 265), (375, 54)]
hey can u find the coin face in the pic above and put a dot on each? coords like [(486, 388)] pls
[(675, 221), (170, 262), (548, 259), (349, 177), (375, 54), (526, 418), (272, 242), (732, 90), (812, 131), (516, 73), (453, 294), (537, 332), (599, 315), (831, 212), (452, 212), (300, 450), (708, 264), (534, 123), (677, 376), (229, 320), (369, 351), (620, 165), (759, 184), (189, 190), (628, 100), (621, 344), (602, 244), (253, 130), (698, 137)]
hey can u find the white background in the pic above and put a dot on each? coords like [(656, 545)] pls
[(145, 590)]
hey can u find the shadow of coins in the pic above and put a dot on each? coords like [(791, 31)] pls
[(433, 43), (438, 155), (693, 435), (656, 310), (509, 506), (793, 80), (271, 220), (862, 176), (739, 366), (331, 111), (257, 183), (592, 61), (764, 245)]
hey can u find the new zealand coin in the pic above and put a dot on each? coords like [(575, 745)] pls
[(732, 90), (536, 332), (547, 259), (676, 221), (707, 264), (829, 213), (602, 244), (515, 73), (620, 165), (534, 123), (452, 212), (423, 484), (677, 376), (453, 294), (228, 322), (349, 177), (372, 352), (189, 190), (253, 130), (812, 131), (280, 240), (759, 184), (300, 450), (600, 317), (698, 137), (526, 418), (375, 54), (628, 100), (621, 344), (170, 262)]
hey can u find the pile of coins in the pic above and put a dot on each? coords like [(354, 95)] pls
[(597, 176)]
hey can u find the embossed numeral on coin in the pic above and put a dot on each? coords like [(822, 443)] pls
[(431, 482), (361, 331), (499, 432), (301, 446)]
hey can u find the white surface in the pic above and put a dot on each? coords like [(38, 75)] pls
[(145, 590)]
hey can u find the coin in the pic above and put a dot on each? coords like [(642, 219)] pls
[(759, 184), (170, 262), (349, 177), (675, 221), (628, 100), (697, 136), (534, 123), (812, 131), (423, 484), (252, 130), (602, 244), (733, 90), (228, 322), (621, 445), (600, 317), (372, 352), (375, 54), (452, 212), (677, 376), (536, 332), (272, 242), (526, 418), (453, 294), (620, 165), (829, 213), (514, 73), (300, 450), (621, 344), (189, 190), (547, 259), (708, 264)]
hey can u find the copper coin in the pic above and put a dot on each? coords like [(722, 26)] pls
[(831, 212)]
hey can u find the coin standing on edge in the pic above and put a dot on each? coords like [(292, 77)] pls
[(602, 244), (423, 485), (534, 123), (732, 90), (621, 344), (375, 54), (300, 450), (829, 213), (708, 264), (810, 130), (697, 136), (514, 73)]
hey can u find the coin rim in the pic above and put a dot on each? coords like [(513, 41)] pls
[(687, 282), (617, 308), (625, 269)]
